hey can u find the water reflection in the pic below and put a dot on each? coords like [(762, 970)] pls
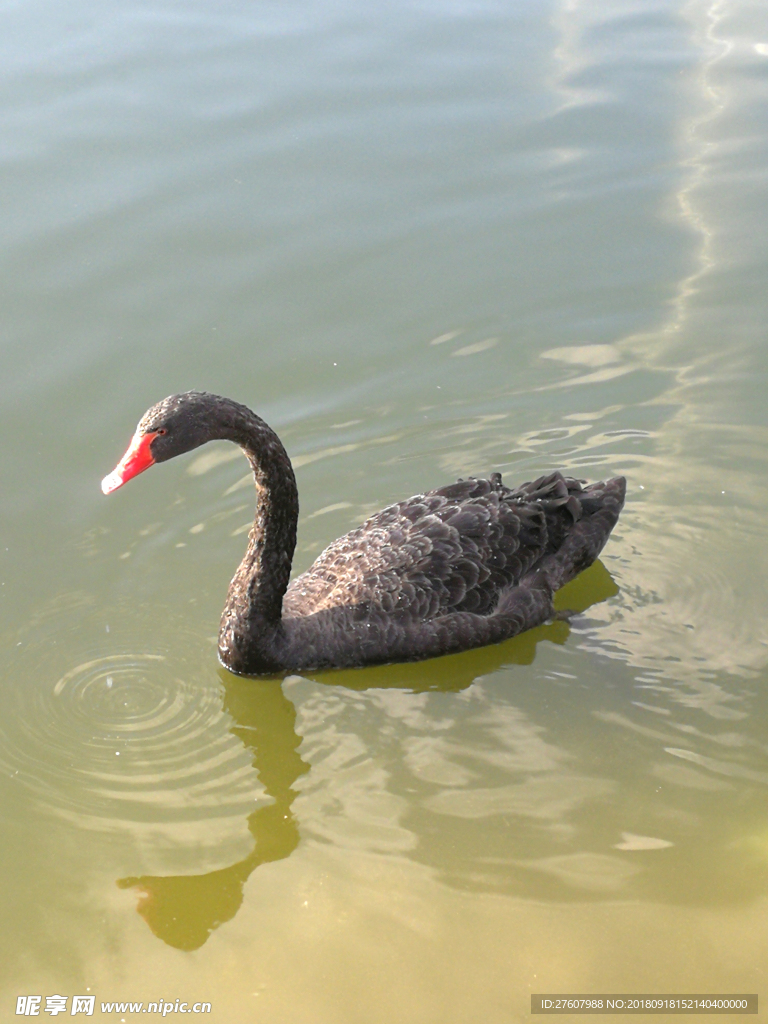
[(183, 910)]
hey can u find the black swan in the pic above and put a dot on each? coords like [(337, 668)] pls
[(465, 565)]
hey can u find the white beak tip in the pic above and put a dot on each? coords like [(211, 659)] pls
[(111, 482)]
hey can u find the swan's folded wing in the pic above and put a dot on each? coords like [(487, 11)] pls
[(453, 549)]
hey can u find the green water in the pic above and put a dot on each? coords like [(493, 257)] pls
[(422, 240)]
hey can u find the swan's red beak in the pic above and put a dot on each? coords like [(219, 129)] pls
[(135, 461)]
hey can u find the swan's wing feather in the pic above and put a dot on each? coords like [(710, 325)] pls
[(452, 549)]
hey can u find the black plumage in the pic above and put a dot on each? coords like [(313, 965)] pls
[(468, 564)]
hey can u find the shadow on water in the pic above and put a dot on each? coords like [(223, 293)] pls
[(183, 910)]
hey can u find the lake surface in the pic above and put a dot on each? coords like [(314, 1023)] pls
[(423, 240)]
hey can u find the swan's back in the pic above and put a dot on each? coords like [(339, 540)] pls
[(454, 549)]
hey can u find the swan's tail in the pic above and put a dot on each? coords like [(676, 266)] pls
[(599, 506), (583, 517)]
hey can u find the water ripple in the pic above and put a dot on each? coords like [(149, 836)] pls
[(119, 738)]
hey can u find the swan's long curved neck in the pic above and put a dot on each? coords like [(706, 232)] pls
[(250, 629)]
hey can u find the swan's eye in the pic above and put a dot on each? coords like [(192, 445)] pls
[(162, 430)]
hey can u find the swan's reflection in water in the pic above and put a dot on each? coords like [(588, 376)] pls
[(183, 910)]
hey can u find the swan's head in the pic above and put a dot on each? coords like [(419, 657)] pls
[(176, 425)]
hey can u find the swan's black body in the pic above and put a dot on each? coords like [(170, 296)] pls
[(465, 565)]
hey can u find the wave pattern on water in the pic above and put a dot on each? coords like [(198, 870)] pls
[(122, 742)]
